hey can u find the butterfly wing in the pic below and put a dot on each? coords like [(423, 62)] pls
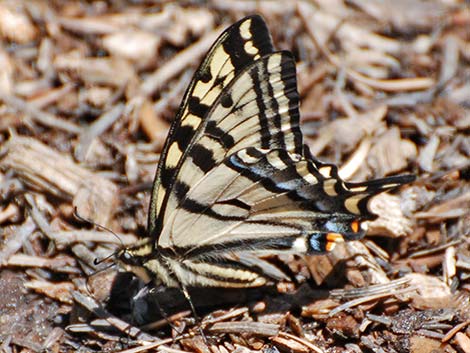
[(239, 46)]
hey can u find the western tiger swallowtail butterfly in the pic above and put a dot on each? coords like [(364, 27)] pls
[(235, 178)]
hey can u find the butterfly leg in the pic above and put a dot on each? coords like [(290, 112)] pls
[(193, 309)]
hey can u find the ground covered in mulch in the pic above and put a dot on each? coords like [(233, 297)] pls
[(87, 92)]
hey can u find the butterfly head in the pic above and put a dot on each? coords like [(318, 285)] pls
[(133, 258)]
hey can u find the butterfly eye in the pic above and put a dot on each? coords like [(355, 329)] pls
[(125, 256)]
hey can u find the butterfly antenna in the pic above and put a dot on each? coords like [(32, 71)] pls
[(99, 226)]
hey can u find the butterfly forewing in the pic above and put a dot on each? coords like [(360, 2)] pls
[(237, 47), (256, 109)]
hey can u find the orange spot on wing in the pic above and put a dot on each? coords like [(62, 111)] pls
[(330, 246), (355, 226), (332, 239)]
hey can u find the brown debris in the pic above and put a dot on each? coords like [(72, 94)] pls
[(244, 327), (156, 129), (391, 222), (15, 25), (105, 71), (420, 344), (391, 153), (463, 341), (87, 94), (57, 291), (47, 170), (431, 293), (137, 46), (290, 345)]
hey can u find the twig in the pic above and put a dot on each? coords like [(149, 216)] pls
[(178, 63), (42, 117)]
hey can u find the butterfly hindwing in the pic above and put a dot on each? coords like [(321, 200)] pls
[(263, 200)]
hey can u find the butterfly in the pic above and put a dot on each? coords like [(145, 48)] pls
[(235, 179)]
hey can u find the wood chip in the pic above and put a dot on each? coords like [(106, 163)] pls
[(391, 153), (391, 221), (48, 170), (107, 71), (431, 293), (289, 345), (57, 291), (463, 341), (15, 25), (245, 327), (137, 46)]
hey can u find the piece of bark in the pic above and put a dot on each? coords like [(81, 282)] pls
[(391, 221), (58, 291), (94, 130), (6, 72), (107, 71), (452, 208), (245, 327), (404, 15), (361, 267), (47, 170), (196, 344), (428, 154), (430, 293), (140, 47), (463, 341), (391, 153), (15, 25), (289, 345), (346, 133), (16, 239)]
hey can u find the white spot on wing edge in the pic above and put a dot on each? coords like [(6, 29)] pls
[(325, 171), (246, 157), (274, 63), (245, 31), (357, 188), (160, 196), (250, 48), (302, 170), (329, 187), (275, 161)]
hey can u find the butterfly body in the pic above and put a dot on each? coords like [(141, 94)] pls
[(235, 179)]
